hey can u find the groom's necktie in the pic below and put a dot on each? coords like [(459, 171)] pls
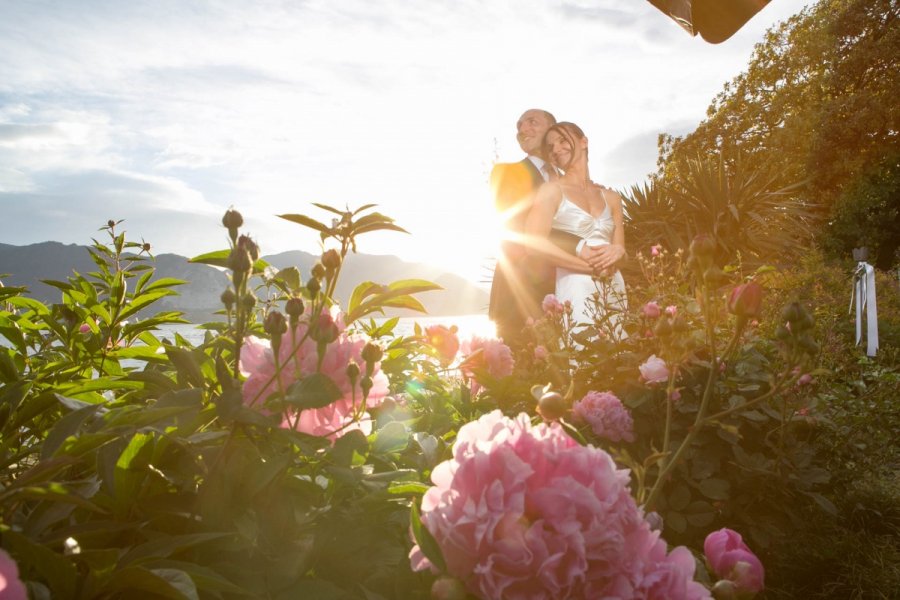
[(550, 173)]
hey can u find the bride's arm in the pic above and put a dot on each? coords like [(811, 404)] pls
[(537, 229), (609, 255)]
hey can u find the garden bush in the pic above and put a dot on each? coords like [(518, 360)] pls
[(292, 453)]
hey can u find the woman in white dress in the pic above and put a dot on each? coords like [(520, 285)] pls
[(574, 204)]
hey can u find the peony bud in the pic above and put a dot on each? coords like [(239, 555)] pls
[(663, 328), (746, 300), (552, 406), (248, 301), (313, 285), (654, 370), (352, 371), (110, 223), (540, 353), (318, 271), (245, 243), (730, 559), (232, 220), (331, 260), (227, 299), (275, 324), (372, 353), (651, 310), (703, 247), (145, 247), (446, 587), (326, 330)]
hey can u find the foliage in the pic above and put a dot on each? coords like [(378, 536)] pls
[(139, 466), (868, 214), (740, 207), (815, 105)]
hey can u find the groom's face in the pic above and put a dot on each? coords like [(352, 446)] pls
[(532, 126)]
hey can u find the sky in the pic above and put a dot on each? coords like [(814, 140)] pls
[(165, 113)]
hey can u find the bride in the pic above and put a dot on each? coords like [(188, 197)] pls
[(576, 205)]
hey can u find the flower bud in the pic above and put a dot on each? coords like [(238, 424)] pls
[(663, 328), (552, 406), (110, 223), (746, 300), (446, 587), (227, 299), (651, 310), (294, 308), (313, 285), (326, 330), (782, 333), (145, 247), (275, 324), (244, 242), (791, 312), (318, 271), (703, 247), (248, 301), (724, 590), (679, 325), (331, 259), (366, 385), (232, 220), (352, 371), (808, 344), (372, 352)]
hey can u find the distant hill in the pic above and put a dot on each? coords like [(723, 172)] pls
[(28, 265)]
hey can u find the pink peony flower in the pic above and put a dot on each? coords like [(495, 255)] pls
[(486, 354), (552, 305), (298, 358), (524, 511), (540, 353), (805, 379), (84, 328), (671, 310), (730, 558), (654, 370), (655, 249), (606, 415), (651, 310), (11, 587), (444, 341)]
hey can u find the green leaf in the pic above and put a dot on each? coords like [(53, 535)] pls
[(186, 364), (58, 571), (218, 258), (392, 438), (407, 488), (133, 582), (427, 544), (291, 278), (715, 489), (166, 546), (164, 282), (68, 426), (314, 391), (306, 222)]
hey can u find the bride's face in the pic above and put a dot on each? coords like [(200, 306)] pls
[(561, 151)]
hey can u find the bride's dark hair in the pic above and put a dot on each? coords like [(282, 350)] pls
[(570, 131)]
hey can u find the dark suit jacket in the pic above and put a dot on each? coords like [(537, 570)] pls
[(520, 280)]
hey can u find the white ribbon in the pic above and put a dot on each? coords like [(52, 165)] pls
[(863, 295)]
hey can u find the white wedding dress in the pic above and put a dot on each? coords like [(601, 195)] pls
[(579, 288)]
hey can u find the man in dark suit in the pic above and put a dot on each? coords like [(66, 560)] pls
[(521, 280)]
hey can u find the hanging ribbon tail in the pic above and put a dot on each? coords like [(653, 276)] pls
[(863, 296), (871, 312)]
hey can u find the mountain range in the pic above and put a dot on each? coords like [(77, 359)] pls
[(28, 265)]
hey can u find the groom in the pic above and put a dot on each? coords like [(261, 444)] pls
[(522, 280)]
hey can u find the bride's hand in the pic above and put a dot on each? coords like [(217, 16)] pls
[(608, 256)]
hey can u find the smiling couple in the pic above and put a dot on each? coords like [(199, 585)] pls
[(564, 232)]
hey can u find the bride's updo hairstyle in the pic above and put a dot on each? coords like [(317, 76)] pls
[(570, 131)]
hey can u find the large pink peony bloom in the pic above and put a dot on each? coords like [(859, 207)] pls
[(607, 416), (298, 358), (730, 558), (11, 587), (524, 511)]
